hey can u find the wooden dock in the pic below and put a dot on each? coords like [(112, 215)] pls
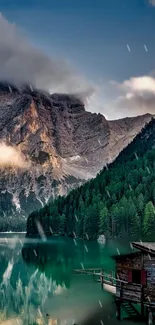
[(109, 283), (105, 277), (133, 282)]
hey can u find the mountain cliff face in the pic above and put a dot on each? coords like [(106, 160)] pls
[(58, 145), (119, 201)]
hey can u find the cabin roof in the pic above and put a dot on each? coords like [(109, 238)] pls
[(148, 247), (117, 257)]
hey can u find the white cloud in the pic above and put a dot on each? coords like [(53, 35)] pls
[(11, 157), (152, 2), (135, 96), (142, 84), (21, 62)]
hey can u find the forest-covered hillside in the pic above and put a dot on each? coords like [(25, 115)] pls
[(119, 201)]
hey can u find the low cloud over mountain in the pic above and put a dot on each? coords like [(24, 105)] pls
[(11, 157), (21, 62)]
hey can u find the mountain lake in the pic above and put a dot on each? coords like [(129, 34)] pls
[(37, 284)]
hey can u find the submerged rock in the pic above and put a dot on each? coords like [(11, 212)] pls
[(101, 239)]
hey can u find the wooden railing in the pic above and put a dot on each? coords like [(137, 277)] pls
[(124, 290), (127, 291), (99, 274)]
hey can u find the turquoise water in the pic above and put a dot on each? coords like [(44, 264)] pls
[(37, 279)]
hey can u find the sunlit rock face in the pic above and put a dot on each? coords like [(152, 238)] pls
[(57, 144)]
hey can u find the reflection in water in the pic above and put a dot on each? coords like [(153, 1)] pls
[(25, 296), (36, 279), (25, 301), (55, 261)]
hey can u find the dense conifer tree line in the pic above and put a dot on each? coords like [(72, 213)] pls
[(119, 201)]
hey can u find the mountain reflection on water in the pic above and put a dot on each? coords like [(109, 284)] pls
[(37, 285)]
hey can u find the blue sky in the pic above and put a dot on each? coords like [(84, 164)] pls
[(91, 34)]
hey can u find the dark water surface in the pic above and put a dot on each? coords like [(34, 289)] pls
[(36, 279)]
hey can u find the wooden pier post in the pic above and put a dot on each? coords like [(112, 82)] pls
[(150, 317), (142, 309), (102, 280), (118, 309), (111, 278), (142, 301)]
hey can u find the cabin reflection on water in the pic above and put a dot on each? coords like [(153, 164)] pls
[(135, 282)]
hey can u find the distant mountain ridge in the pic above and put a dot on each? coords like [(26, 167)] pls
[(62, 143)]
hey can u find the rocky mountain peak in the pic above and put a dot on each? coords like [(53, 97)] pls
[(69, 103), (62, 144)]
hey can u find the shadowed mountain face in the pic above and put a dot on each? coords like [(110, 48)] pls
[(57, 145)]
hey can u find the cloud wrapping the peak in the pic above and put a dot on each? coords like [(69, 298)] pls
[(21, 62)]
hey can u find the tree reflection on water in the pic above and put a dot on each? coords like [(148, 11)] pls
[(55, 261), (24, 291)]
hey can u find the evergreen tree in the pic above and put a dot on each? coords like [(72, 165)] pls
[(149, 219), (104, 221)]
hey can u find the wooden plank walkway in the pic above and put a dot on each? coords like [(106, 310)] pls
[(110, 288)]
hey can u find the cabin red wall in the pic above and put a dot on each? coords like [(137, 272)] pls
[(143, 277), (130, 276)]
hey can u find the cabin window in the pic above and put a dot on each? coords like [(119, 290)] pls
[(137, 276)]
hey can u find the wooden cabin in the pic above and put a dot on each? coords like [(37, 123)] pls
[(135, 284)]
